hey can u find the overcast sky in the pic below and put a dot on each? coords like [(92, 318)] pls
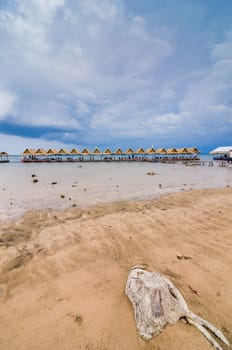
[(115, 73)]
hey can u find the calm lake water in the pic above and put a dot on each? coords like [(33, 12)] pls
[(90, 183)]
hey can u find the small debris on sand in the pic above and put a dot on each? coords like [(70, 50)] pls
[(78, 319), (3, 289), (183, 257), (194, 291)]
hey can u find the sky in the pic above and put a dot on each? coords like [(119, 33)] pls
[(115, 73)]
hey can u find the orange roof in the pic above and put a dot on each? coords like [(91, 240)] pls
[(85, 151), (172, 151), (63, 151), (151, 151), (140, 151), (183, 150), (119, 151), (107, 151), (193, 150), (40, 151), (28, 151), (75, 151), (97, 151), (52, 151), (161, 151), (129, 151)]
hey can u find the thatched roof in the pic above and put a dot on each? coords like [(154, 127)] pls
[(63, 151), (119, 151), (52, 151), (107, 151), (3, 154), (40, 152), (183, 150), (140, 151), (193, 150), (161, 151), (97, 151), (172, 151), (75, 151), (151, 151), (28, 152), (85, 151), (130, 151)]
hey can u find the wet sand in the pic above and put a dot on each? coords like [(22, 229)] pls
[(91, 183), (63, 274)]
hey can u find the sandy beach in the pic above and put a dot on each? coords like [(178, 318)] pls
[(63, 274)]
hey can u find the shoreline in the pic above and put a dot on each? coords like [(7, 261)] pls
[(17, 216), (60, 270), (37, 188), (115, 205)]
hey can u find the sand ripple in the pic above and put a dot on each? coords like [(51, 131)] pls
[(62, 274)]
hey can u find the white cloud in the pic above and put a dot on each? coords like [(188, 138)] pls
[(167, 93), (106, 10), (41, 10), (223, 50), (89, 66), (17, 144), (207, 100), (82, 108), (7, 103), (58, 55)]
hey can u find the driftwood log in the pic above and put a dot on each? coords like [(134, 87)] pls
[(157, 303)]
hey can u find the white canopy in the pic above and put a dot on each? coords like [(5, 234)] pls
[(221, 150)]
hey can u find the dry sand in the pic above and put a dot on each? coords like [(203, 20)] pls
[(62, 274)]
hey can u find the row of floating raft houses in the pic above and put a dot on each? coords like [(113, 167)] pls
[(161, 154)]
